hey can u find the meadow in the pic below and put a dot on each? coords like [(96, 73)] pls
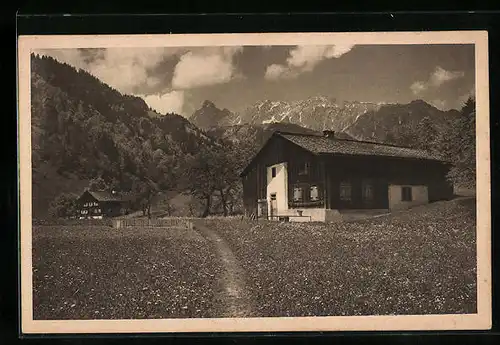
[(98, 272), (421, 261)]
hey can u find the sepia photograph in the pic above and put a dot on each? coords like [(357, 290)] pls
[(254, 182)]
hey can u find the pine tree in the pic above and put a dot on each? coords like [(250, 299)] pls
[(463, 147), (458, 144), (426, 135)]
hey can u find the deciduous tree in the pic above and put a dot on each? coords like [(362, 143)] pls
[(63, 206)]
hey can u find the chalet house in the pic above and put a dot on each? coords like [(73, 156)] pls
[(304, 177), (97, 205)]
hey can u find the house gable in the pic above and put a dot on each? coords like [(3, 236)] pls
[(276, 149), (86, 197)]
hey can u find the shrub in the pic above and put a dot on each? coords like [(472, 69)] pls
[(63, 206)]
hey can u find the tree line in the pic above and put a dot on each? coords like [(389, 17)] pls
[(456, 141), (85, 129)]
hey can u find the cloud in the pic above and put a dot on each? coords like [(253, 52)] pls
[(304, 59), (418, 87), (166, 103), (440, 104), (124, 69), (436, 79), (441, 76), (276, 71), (205, 67)]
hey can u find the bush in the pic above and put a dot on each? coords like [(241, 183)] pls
[(63, 206)]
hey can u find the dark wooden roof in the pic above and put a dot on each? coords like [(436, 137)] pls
[(322, 145), (108, 196)]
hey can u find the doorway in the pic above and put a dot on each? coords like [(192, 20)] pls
[(274, 206)]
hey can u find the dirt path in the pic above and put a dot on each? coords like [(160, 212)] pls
[(232, 290)]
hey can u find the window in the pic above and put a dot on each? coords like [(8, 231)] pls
[(273, 196), (367, 190), (345, 191), (305, 194), (273, 172), (406, 194), (314, 193), (298, 194), (304, 168)]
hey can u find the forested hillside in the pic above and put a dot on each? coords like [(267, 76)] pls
[(84, 133), (400, 124)]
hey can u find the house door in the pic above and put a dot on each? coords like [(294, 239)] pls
[(274, 206), (368, 193), (345, 198)]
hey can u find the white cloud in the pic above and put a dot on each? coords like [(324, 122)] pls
[(72, 57), (169, 102), (417, 87), (440, 76), (205, 67), (276, 71), (304, 59), (436, 79), (307, 57), (121, 68), (440, 104)]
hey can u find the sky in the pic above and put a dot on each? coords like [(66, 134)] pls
[(179, 79)]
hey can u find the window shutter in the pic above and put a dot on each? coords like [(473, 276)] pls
[(314, 192), (297, 194)]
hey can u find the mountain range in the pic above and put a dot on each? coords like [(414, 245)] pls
[(360, 120)]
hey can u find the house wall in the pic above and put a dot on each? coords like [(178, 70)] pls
[(88, 211), (355, 170), (385, 172), (315, 214), (420, 196), (314, 177), (277, 150), (279, 186), (112, 208), (250, 189)]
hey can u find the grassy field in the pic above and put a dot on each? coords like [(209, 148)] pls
[(103, 273), (416, 262)]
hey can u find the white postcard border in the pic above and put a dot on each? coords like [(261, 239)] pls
[(480, 321)]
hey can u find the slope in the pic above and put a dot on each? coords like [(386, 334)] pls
[(83, 129)]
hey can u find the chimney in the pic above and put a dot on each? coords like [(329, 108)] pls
[(329, 134)]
